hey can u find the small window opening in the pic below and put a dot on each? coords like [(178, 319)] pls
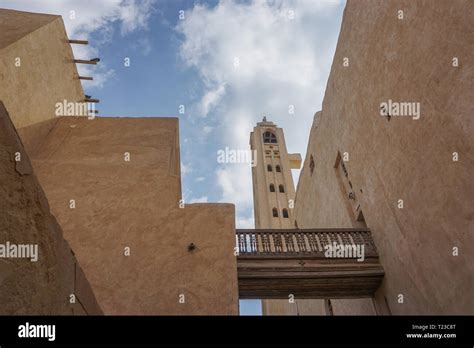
[(269, 138), (275, 212), (311, 164)]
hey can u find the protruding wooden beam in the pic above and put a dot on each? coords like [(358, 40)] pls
[(82, 61), (85, 78), (92, 100), (79, 42), (308, 278)]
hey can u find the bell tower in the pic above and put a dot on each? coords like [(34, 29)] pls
[(273, 189)]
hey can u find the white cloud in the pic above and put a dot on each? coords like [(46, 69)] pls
[(236, 185), (243, 222), (185, 169), (134, 14), (281, 62), (207, 129), (202, 199), (211, 99), (200, 179), (81, 18)]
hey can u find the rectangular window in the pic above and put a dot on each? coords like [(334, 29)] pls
[(350, 196)]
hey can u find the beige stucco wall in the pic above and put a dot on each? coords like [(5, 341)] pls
[(135, 204), (43, 287), (412, 160), (47, 74)]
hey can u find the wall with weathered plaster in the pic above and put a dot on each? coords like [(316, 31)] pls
[(46, 73), (43, 287), (401, 158), (134, 204), (119, 205)]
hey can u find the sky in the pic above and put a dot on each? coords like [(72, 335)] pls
[(218, 65)]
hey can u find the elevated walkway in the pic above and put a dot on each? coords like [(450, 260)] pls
[(307, 263)]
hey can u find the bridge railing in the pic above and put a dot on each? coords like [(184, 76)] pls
[(300, 243)]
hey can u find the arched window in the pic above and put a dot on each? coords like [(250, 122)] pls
[(275, 212), (281, 188), (311, 164), (278, 168), (269, 167), (272, 188), (285, 213), (269, 138)]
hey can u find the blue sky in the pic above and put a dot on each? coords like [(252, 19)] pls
[(284, 50)]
